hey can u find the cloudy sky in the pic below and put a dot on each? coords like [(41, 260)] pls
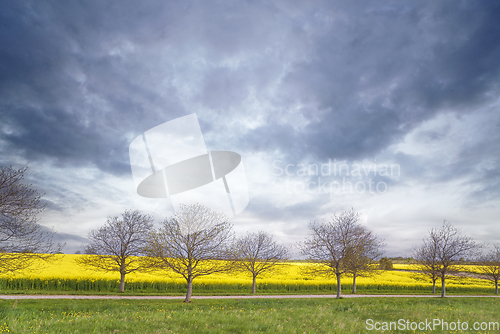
[(387, 107)]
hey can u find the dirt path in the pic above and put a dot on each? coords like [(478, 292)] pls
[(220, 297)]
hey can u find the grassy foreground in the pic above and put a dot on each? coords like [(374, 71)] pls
[(243, 315)]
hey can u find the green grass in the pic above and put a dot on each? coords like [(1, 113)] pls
[(427, 291), (236, 316), (87, 286)]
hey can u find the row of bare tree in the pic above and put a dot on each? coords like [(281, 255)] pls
[(198, 242), (441, 255), (195, 242)]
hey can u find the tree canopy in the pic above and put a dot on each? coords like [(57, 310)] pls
[(22, 239)]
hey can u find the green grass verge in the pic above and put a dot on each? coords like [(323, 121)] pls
[(86, 286), (242, 293), (238, 316)]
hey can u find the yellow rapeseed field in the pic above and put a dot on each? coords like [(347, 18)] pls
[(65, 274)]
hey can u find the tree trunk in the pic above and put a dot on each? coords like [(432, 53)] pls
[(254, 284), (339, 287), (433, 285), (189, 290), (122, 282), (443, 287), (496, 287), (354, 283)]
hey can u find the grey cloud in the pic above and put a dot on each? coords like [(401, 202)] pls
[(329, 80), (70, 242), (223, 88), (406, 60), (64, 97), (377, 77), (300, 212)]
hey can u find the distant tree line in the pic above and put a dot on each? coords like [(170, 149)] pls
[(197, 242)]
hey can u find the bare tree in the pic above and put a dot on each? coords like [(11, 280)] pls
[(442, 250), (193, 243), (258, 253), (427, 260), (117, 244), (22, 239), (366, 248), (331, 245), (490, 265)]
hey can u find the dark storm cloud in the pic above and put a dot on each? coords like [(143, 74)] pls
[(65, 96), (77, 77), (343, 80), (70, 243), (299, 81), (381, 73), (63, 136)]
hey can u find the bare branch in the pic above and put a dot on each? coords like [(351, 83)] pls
[(440, 253), (117, 244), (490, 265), (195, 242), (340, 246), (364, 251), (258, 253), (22, 240)]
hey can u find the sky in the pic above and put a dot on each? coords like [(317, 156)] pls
[(387, 107)]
